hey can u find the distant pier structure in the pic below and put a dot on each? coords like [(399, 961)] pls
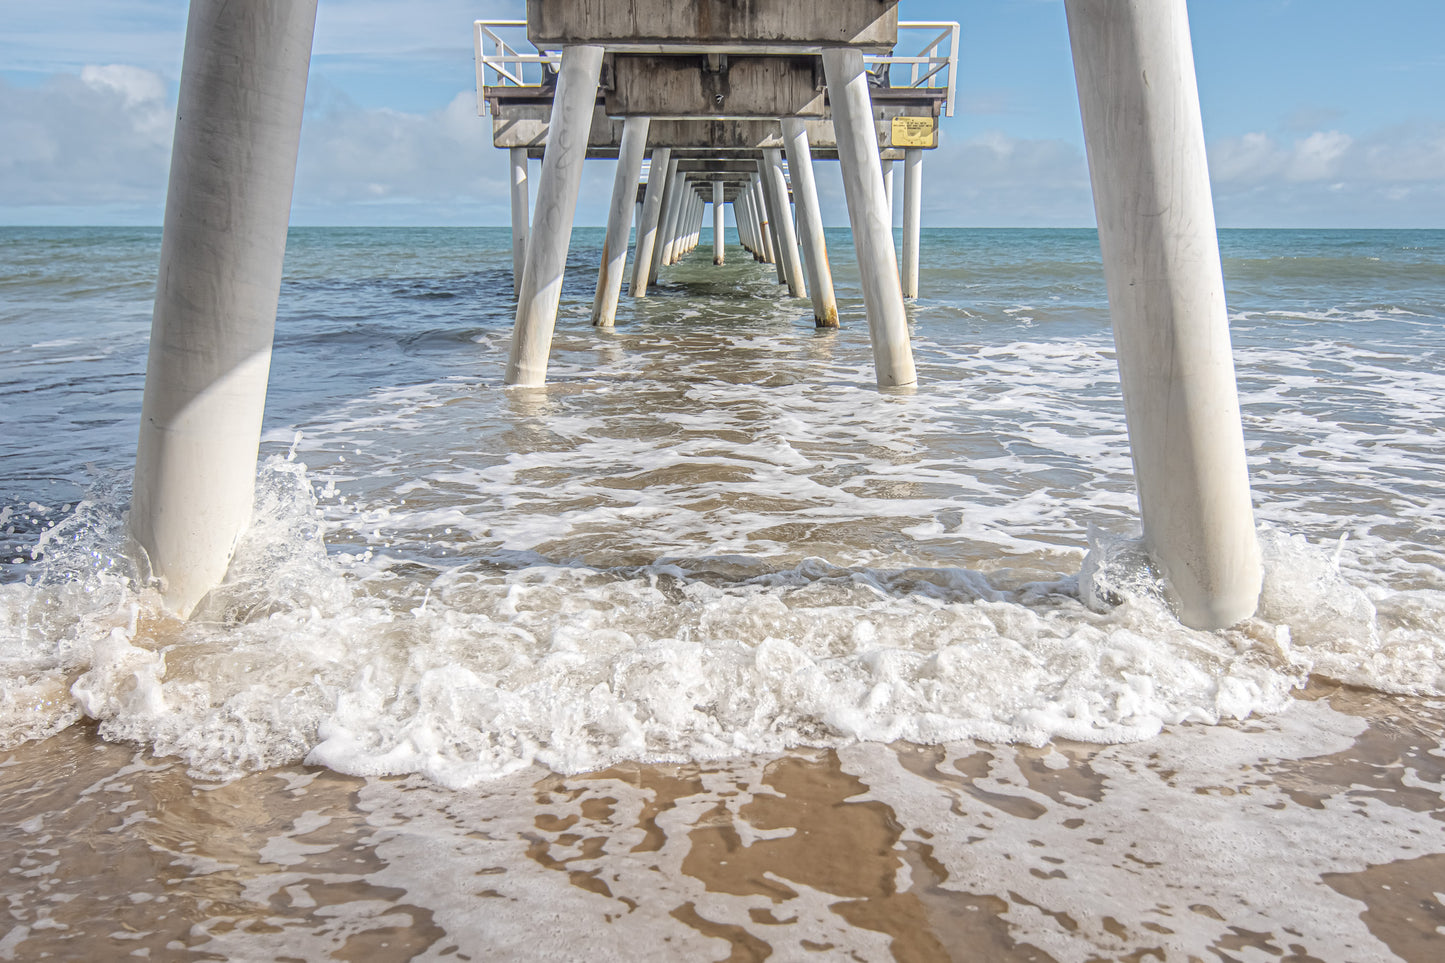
[(720, 92)]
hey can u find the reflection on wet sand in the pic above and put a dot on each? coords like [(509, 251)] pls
[(1312, 835)]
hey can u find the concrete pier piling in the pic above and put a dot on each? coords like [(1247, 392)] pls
[(810, 223), (1145, 141), (743, 215), (912, 219), (233, 165), (718, 220), (777, 214), (647, 224), (668, 238), (557, 188), (777, 185), (887, 166), (869, 216), (521, 216), (619, 222), (765, 216), (744, 203)]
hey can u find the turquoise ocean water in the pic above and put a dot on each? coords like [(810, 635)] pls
[(710, 535)]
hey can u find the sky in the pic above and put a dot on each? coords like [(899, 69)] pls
[(1317, 113)]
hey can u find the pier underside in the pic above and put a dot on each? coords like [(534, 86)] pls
[(733, 103)]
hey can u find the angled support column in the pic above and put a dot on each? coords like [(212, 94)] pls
[(647, 224), (521, 217), (756, 218), (689, 213), (912, 218), (619, 221), (717, 222), (667, 240), (556, 204), (775, 247), (745, 228), (869, 216), (777, 184), (1145, 139), (694, 229), (765, 227), (775, 221), (233, 165), (810, 223), (744, 204), (887, 187)]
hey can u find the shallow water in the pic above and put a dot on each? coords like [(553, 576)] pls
[(1309, 835), (710, 541)]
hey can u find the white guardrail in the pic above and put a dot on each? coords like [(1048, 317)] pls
[(934, 66)]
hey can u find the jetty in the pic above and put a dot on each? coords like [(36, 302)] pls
[(734, 100)]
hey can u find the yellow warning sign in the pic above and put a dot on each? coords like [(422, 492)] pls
[(915, 132)]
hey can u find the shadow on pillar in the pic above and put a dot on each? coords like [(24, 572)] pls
[(1145, 139), (233, 166)]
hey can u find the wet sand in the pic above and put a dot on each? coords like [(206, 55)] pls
[(1313, 835)]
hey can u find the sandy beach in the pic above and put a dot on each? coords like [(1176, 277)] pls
[(1313, 835)]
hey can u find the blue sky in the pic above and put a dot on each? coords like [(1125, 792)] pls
[(1318, 113)]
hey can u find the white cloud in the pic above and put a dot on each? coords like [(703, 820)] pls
[(1318, 156), (996, 179), (92, 146), (135, 85), (1394, 176), (100, 140), (389, 164), (1246, 160)]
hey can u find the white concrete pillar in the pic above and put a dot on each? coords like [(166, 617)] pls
[(619, 221), (552, 224), (233, 165), (772, 216), (718, 222), (690, 218), (887, 186), (744, 221), (810, 223), (669, 201), (765, 228), (787, 240), (647, 224), (521, 216), (869, 215), (668, 238), (1145, 138), (776, 216), (684, 212), (759, 223), (912, 218), (744, 206)]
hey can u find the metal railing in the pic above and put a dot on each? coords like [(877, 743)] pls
[(503, 64), (932, 59)]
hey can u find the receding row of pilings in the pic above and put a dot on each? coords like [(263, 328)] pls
[(672, 211), (668, 218), (233, 165)]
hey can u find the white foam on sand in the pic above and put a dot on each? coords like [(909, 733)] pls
[(370, 665)]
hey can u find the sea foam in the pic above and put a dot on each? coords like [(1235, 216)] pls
[(371, 664)]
